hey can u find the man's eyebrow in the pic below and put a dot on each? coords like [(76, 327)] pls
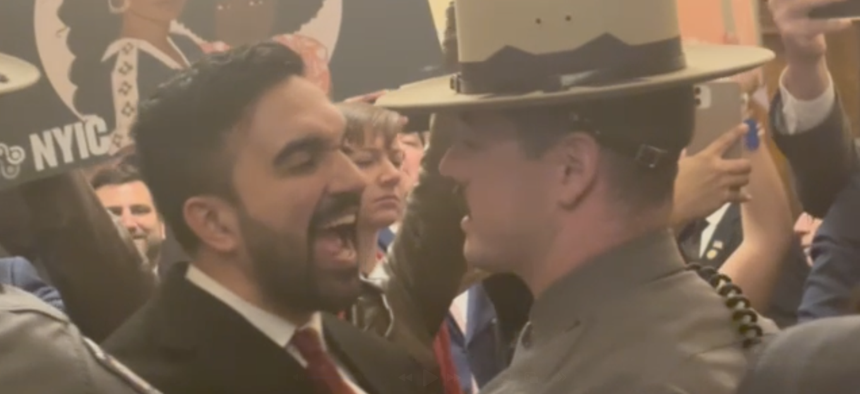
[(310, 143)]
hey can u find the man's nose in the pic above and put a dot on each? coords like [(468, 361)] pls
[(347, 177), (448, 165), (130, 223), (803, 225)]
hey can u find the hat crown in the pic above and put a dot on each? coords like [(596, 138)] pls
[(524, 45), (485, 27)]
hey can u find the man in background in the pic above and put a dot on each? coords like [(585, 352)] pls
[(123, 193)]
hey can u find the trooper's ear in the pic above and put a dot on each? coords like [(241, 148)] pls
[(577, 164)]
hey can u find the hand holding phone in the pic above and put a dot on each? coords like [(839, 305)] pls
[(707, 180), (720, 107), (802, 28)]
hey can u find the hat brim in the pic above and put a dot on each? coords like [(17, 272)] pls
[(18, 74), (704, 63)]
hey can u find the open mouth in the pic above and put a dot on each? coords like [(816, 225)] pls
[(338, 237)]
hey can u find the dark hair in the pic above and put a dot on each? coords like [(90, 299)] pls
[(663, 119), (365, 122), (91, 29), (199, 16), (115, 175), (180, 132)]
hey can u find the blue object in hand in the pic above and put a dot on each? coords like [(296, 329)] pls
[(751, 139)]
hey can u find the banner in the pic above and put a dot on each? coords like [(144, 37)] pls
[(100, 58)]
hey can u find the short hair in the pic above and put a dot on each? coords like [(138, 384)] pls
[(182, 130), (118, 174), (365, 122), (664, 119)]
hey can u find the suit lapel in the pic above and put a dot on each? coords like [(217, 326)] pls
[(377, 366), (720, 246), (215, 344)]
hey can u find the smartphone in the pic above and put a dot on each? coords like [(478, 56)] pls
[(842, 9), (719, 108)]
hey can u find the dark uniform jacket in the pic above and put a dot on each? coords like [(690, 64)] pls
[(631, 321), (43, 352)]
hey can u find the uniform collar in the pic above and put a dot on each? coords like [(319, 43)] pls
[(579, 294)]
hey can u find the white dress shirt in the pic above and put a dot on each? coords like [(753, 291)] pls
[(274, 327), (804, 115), (708, 233), (460, 312)]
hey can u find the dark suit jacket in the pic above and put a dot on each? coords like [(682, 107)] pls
[(817, 357), (186, 341), (18, 272), (788, 290), (824, 166)]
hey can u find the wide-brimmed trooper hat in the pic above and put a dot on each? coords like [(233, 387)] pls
[(518, 53), (16, 74)]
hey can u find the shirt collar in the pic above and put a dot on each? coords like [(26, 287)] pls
[(717, 216), (275, 327), (604, 278)]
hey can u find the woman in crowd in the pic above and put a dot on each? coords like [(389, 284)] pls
[(123, 49), (371, 142)]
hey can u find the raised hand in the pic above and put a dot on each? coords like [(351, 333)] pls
[(707, 180), (804, 37)]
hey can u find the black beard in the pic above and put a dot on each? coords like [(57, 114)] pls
[(283, 267)]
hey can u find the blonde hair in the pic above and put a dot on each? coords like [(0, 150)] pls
[(365, 123)]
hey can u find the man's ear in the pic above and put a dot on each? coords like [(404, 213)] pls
[(578, 161), (214, 221)]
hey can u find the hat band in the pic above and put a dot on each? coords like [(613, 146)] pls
[(603, 61)]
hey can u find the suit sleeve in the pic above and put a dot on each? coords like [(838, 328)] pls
[(822, 159), (425, 263), (26, 278), (836, 258), (44, 353)]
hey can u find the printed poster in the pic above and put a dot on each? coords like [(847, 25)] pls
[(99, 58)]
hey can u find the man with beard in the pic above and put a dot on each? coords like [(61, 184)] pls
[(243, 158), (573, 116), (124, 194)]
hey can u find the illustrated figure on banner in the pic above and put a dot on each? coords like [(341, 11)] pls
[(309, 27), (119, 51), (122, 50)]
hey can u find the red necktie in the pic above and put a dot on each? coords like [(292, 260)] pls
[(321, 368)]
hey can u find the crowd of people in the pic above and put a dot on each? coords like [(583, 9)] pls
[(530, 224)]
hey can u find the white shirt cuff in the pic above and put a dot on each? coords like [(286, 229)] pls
[(804, 115)]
